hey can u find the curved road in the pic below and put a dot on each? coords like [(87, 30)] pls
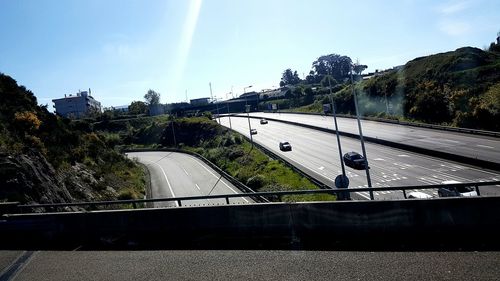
[(316, 153), (176, 174), (475, 146)]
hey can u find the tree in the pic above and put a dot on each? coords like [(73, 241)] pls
[(311, 78), (290, 77), (328, 81), (335, 65), (359, 68), (137, 107), (152, 97)]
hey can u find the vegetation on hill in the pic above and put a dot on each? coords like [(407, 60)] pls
[(38, 147), (459, 88)]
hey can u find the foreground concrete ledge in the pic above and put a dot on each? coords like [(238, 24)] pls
[(451, 223)]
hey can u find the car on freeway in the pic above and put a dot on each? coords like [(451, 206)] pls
[(419, 195), (285, 146), (456, 191), (354, 160), (253, 131), (263, 121)]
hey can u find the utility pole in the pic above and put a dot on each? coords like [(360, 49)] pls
[(361, 137)]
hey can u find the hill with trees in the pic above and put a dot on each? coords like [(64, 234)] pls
[(47, 159), (458, 88)]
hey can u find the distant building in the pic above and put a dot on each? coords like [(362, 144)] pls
[(76, 105), (200, 101)]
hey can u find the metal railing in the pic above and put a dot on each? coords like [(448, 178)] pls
[(22, 208)]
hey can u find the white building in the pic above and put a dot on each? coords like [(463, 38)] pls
[(76, 105)]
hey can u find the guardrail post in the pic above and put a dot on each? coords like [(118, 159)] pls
[(227, 200), (135, 205), (404, 193), (477, 190), (179, 203)]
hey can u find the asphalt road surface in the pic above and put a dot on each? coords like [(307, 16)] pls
[(178, 175), (253, 265), (475, 146), (316, 153)]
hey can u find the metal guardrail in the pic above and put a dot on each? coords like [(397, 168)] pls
[(179, 200), (406, 123)]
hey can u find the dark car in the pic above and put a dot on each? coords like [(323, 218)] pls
[(263, 121), (459, 191), (253, 131), (285, 146), (354, 160)]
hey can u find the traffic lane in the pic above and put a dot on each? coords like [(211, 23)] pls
[(260, 265), (317, 151), (181, 175), (311, 152), (301, 154), (160, 183), (392, 164), (207, 180), (482, 147)]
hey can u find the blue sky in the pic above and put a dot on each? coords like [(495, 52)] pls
[(122, 48)]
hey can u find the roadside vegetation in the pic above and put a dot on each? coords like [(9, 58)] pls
[(41, 152), (459, 88)]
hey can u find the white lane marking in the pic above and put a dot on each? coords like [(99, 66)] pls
[(185, 171), (485, 146), (197, 186), (403, 155), (220, 180), (379, 159), (168, 182), (321, 168)]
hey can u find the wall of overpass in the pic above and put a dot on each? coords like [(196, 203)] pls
[(451, 223)]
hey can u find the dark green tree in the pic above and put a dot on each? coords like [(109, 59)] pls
[(335, 65), (152, 97), (137, 107), (290, 77)]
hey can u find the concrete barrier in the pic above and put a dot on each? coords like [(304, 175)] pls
[(451, 223)]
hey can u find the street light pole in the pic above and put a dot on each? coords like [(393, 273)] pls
[(336, 129), (216, 104), (247, 108), (361, 137), (229, 115)]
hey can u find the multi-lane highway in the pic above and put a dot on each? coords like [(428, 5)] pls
[(475, 146), (316, 153), (178, 175)]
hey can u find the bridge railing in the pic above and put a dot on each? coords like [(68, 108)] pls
[(14, 207)]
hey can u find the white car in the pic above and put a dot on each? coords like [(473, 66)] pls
[(419, 195)]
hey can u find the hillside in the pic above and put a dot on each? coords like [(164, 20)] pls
[(459, 88), (48, 159)]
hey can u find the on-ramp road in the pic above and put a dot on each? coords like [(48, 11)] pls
[(176, 174)]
